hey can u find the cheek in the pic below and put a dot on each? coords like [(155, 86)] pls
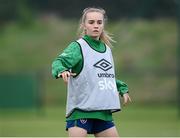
[(88, 28), (101, 28)]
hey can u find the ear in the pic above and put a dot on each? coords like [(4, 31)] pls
[(83, 28), (82, 25)]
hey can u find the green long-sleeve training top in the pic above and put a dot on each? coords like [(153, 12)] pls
[(71, 58)]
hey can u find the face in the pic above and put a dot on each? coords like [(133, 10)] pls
[(94, 24)]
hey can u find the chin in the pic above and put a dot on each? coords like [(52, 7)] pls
[(95, 36)]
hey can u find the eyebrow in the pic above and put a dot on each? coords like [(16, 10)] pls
[(94, 20)]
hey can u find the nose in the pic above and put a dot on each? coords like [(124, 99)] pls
[(96, 25)]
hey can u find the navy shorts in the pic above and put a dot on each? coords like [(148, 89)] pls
[(92, 126)]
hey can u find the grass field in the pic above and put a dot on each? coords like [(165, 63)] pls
[(133, 121)]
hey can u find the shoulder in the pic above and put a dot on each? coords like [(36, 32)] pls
[(108, 48), (73, 46), (81, 41)]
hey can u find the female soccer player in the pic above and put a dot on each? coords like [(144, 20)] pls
[(87, 67)]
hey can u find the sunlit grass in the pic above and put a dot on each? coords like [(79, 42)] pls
[(133, 120)]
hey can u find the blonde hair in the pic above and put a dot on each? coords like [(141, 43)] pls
[(105, 36)]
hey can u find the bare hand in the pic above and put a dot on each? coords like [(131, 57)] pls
[(65, 75), (126, 98)]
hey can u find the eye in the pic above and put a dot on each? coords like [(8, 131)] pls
[(90, 21), (99, 21)]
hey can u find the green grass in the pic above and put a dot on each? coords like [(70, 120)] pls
[(133, 121), (149, 121)]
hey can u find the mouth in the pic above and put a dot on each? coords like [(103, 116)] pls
[(96, 31)]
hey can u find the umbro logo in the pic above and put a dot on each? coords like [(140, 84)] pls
[(103, 64), (83, 121)]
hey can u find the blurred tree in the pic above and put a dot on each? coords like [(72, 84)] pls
[(18, 10), (116, 9), (24, 13), (7, 10)]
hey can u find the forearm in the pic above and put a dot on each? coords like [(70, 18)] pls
[(57, 68), (66, 60)]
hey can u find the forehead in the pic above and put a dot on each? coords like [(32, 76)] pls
[(94, 16)]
